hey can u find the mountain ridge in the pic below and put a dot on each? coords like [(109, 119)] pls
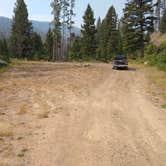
[(40, 27)]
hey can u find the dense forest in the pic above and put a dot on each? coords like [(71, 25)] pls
[(100, 39)]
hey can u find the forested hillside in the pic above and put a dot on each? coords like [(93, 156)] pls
[(100, 39)]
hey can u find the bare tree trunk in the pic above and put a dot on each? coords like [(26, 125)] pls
[(142, 51), (158, 12), (63, 43)]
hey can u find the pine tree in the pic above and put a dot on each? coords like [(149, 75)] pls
[(109, 39), (112, 32), (57, 8), (75, 50), (119, 39), (4, 53), (88, 31), (49, 45), (163, 23), (138, 16), (37, 46), (101, 50), (20, 40), (129, 34), (98, 28)]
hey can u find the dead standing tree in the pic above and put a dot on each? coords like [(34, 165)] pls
[(56, 12), (160, 6), (70, 23)]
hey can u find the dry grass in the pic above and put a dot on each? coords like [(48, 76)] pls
[(20, 138), (157, 84), (43, 114), (159, 79), (157, 38), (164, 106), (1, 88), (22, 152), (6, 129), (4, 163), (22, 110)]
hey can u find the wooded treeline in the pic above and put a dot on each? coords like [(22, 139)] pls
[(100, 39)]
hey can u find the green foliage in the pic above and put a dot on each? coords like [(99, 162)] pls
[(88, 49), (163, 23), (156, 56), (98, 30), (4, 54), (138, 22), (75, 50), (49, 45), (151, 49), (162, 46), (20, 40), (110, 36), (37, 46)]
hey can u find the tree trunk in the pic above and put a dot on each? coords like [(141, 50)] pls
[(142, 51)]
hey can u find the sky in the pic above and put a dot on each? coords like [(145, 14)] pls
[(40, 9)]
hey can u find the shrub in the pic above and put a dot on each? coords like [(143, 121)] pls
[(162, 46), (151, 49), (156, 56)]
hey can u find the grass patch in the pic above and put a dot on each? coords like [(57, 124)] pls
[(163, 106), (2, 88), (156, 84), (157, 38), (18, 61), (22, 153), (22, 110), (4, 68), (43, 114), (159, 79), (20, 138), (24, 150), (6, 129)]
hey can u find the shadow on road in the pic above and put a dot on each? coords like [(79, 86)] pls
[(129, 69), (132, 69)]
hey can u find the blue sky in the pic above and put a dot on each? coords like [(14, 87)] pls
[(41, 10)]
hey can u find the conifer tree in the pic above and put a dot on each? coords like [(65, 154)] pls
[(119, 39), (130, 39), (4, 53), (163, 23), (88, 31), (138, 16), (111, 33), (109, 39), (75, 50), (98, 28), (37, 46), (20, 40), (49, 45)]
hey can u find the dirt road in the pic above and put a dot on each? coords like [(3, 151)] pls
[(68, 115)]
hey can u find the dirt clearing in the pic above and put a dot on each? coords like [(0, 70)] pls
[(63, 114)]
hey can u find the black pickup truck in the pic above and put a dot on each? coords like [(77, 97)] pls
[(120, 62)]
